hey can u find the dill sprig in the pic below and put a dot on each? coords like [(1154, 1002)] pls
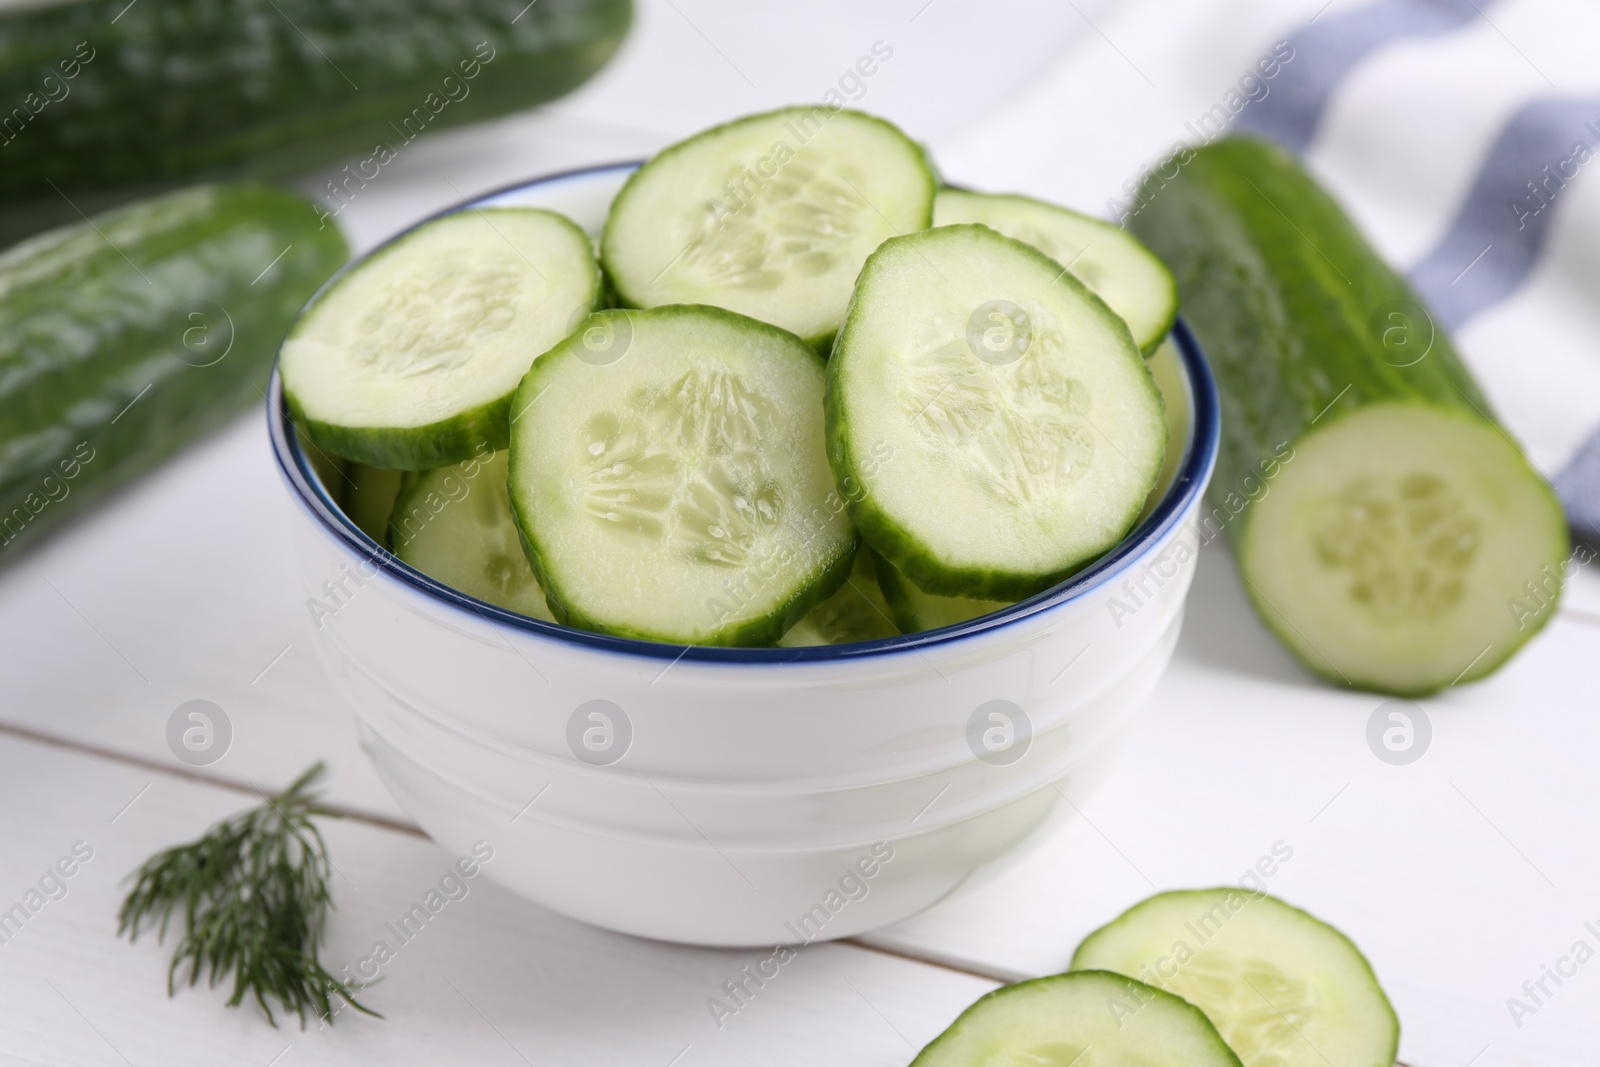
[(253, 895)]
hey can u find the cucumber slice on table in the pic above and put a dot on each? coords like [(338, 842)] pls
[(1102, 255), (1388, 530), (770, 216), (454, 524), (914, 611), (1083, 1019), (669, 478), (1023, 428), (1285, 989), (856, 612), (409, 361)]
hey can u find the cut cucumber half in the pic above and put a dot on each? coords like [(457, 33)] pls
[(1392, 543), (1023, 428), (410, 359), (770, 216), (1102, 255), (914, 611), (368, 498), (856, 612), (1082, 1019), (454, 524), (669, 478), (1283, 988), (1400, 549)]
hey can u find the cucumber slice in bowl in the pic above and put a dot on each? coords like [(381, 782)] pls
[(409, 360), (1285, 989), (770, 216), (670, 482), (856, 612), (1105, 257), (1081, 1019), (454, 524), (914, 611), (1025, 429)]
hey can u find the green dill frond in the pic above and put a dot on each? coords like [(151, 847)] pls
[(252, 898)]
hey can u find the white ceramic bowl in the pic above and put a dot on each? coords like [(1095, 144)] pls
[(744, 796)]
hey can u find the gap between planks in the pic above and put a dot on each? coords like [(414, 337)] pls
[(380, 822)]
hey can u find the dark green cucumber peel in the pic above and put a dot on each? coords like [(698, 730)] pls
[(1307, 328), (914, 611), (413, 448), (160, 94), (125, 337)]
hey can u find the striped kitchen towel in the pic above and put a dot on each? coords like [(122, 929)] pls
[(1460, 134)]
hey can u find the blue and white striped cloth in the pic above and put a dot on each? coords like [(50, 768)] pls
[(1460, 134)]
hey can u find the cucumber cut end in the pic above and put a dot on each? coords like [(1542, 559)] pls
[(1282, 987), (1404, 548)]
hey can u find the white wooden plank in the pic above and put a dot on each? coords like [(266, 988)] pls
[(1460, 875), (489, 979)]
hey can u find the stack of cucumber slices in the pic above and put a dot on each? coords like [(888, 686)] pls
[(1203, 978), (803, 396)]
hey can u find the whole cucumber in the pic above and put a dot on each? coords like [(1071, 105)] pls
[(103, 100), (1387, 528), (127, 335)]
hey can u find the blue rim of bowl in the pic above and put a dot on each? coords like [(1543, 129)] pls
[(1200, 454)]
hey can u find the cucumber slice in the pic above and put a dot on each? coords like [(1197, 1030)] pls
[(409, 360), (856, 612), (1024, 430), (1082, 1019), (914, 611), (770, 216), (368, 498), (454, 524), (1285, 989), (1103, 256), (1389, 532), (669, 478)]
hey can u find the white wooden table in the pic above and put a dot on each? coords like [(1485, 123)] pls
[(1461, 875)]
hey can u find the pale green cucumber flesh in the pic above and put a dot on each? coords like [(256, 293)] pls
[(856, 612), (770, 216), (675, 487), (914, 611), (1404, 547), (1082, 1019), (409, 360), (1105, 257), (990, 420), (454, 524), (1284, 988)]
